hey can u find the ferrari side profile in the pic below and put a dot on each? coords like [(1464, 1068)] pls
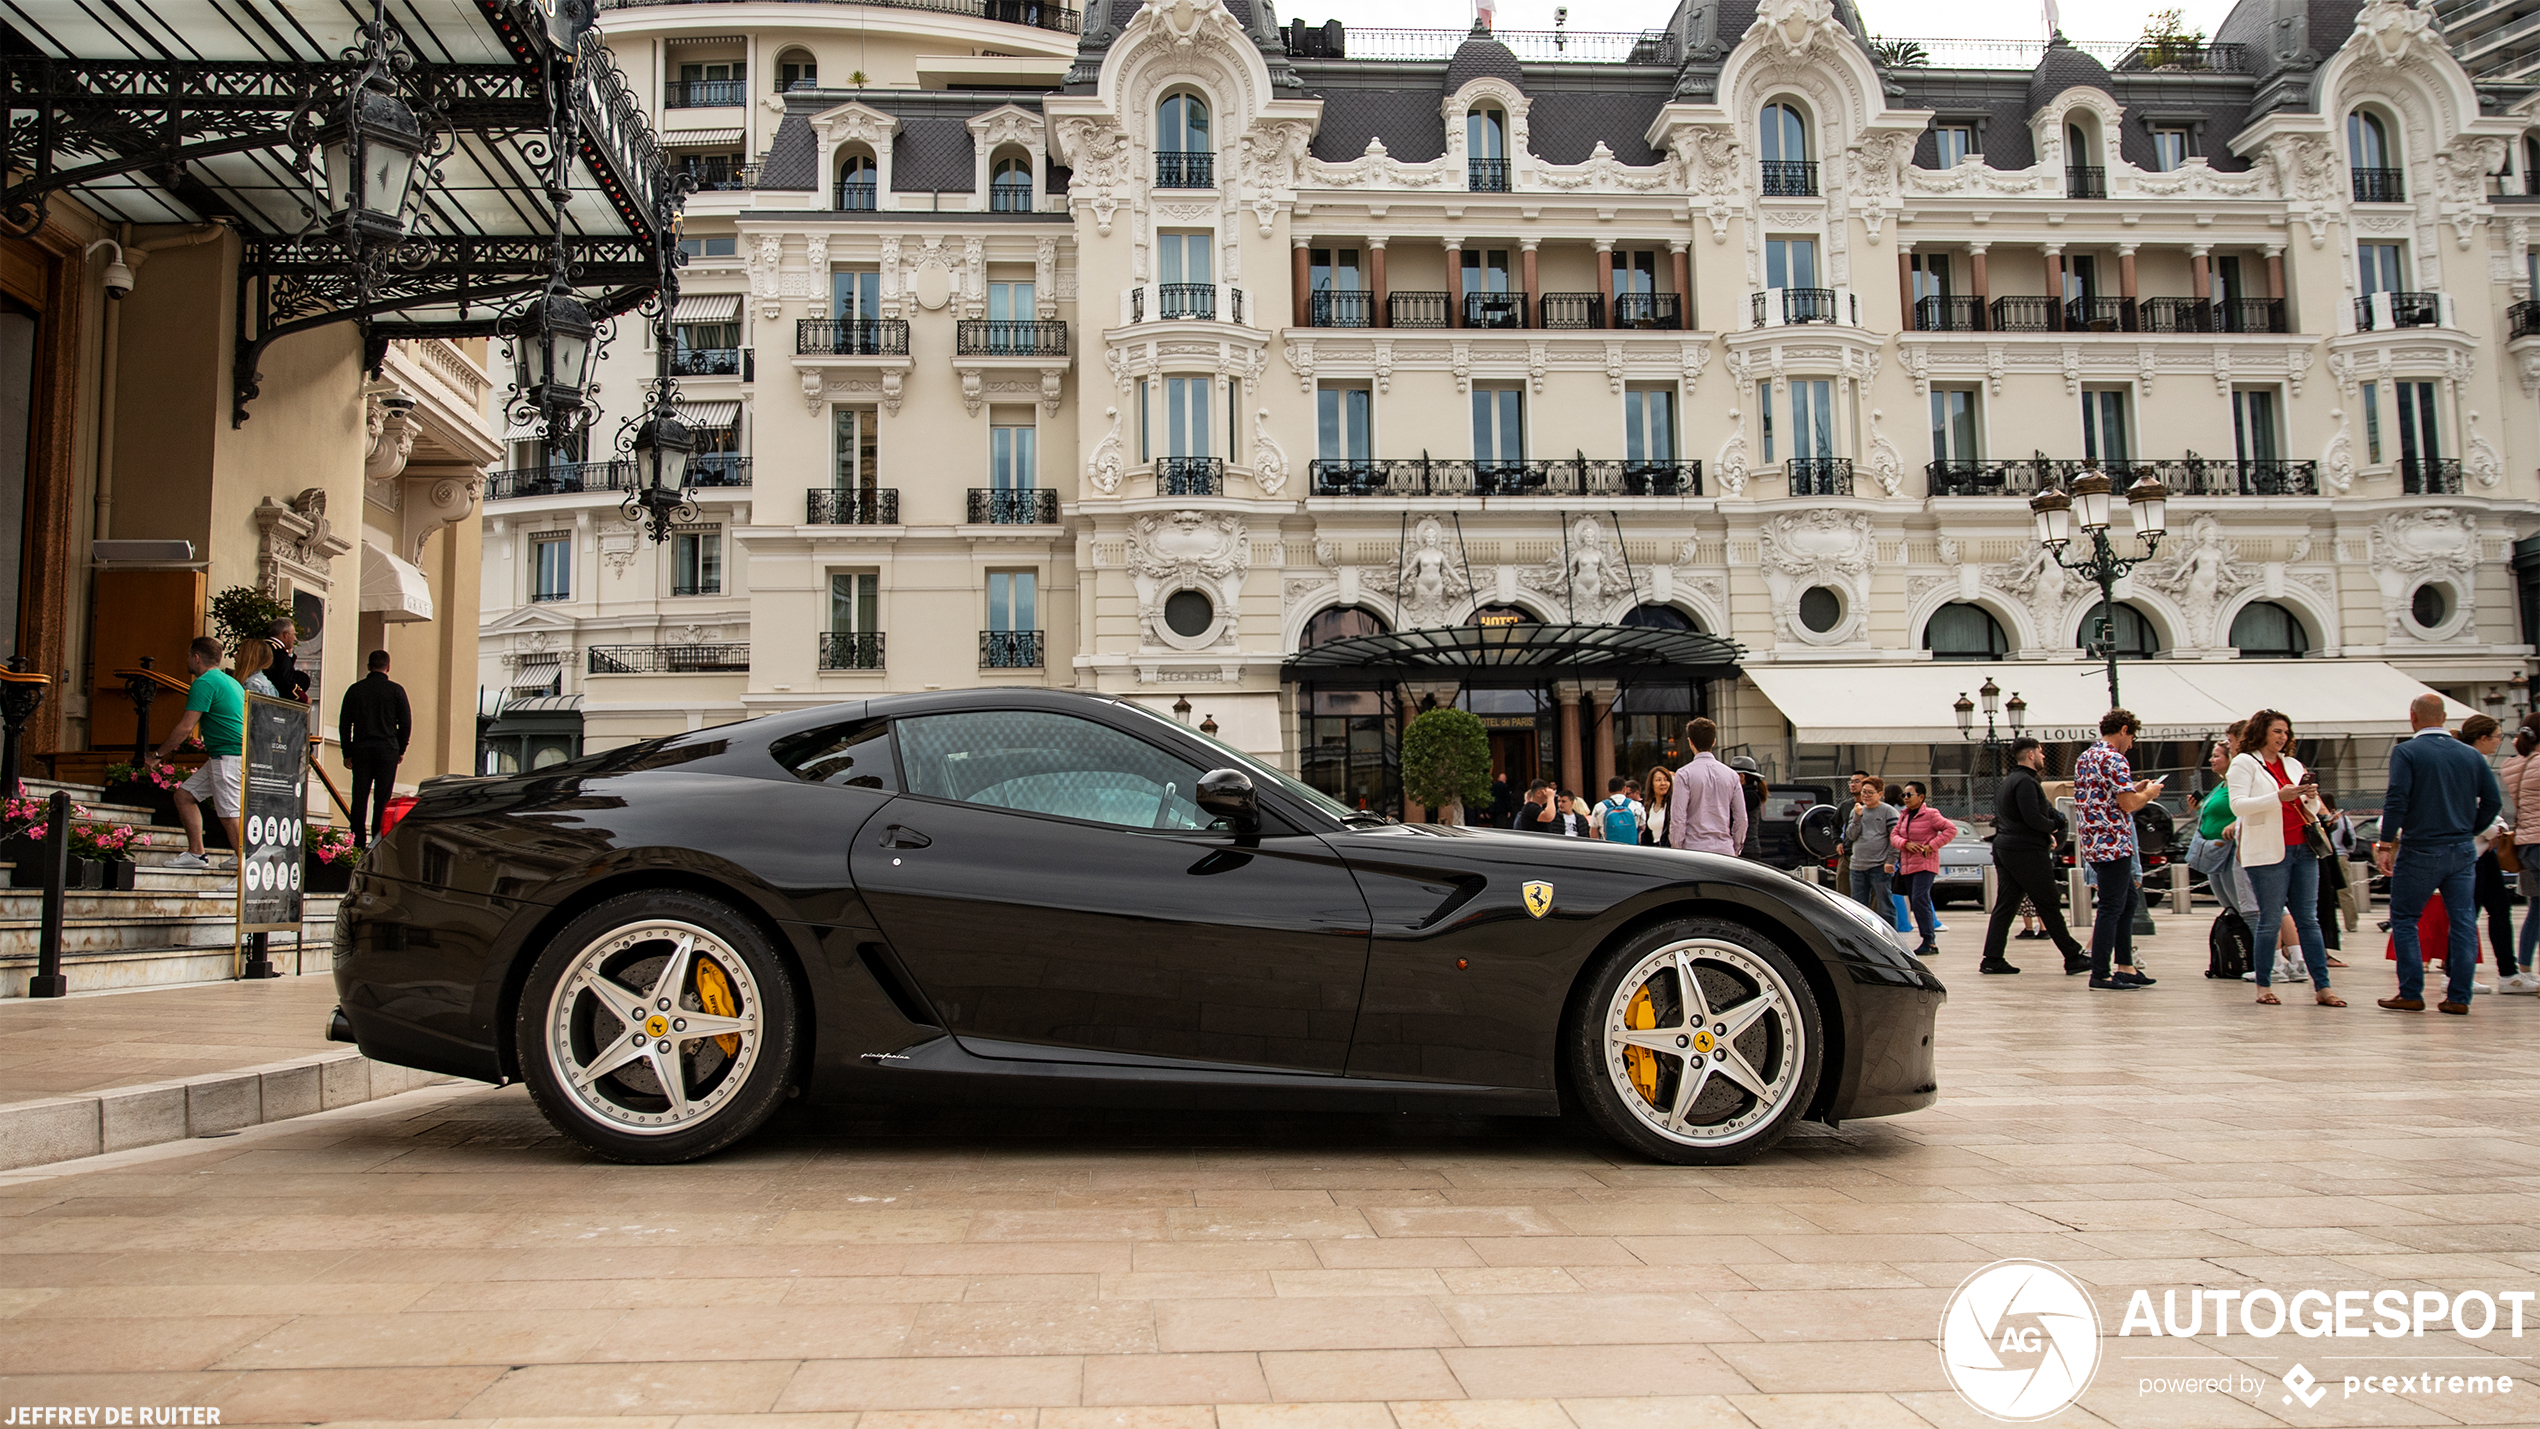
[(1029, 897)]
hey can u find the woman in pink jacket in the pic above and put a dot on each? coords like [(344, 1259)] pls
[(1921, 833), (2522, 806)]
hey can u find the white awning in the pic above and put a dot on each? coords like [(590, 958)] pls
[(2175, 699), (522, 431), (707, 308), (392, 589), (722, 413), (700, 138)]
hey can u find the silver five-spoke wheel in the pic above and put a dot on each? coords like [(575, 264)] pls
[(1704, 1042), (653, 1027)]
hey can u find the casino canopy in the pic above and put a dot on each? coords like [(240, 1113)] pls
[(1517, 654)]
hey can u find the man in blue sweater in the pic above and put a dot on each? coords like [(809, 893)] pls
[(2441, 794)]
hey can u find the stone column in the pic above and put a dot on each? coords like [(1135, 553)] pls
[(1605, 281), (2055, 285), (1455, 282), (2275, 274), (2125, 271), (1303, 282), (2200, 261), (1905, 287), (1407, 706), (1684, 283), (1532, 315), (1377, 303), (1601, 718), (1984, 309), (1568, 694)]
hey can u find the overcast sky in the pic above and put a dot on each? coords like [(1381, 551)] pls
[(1940, 19)]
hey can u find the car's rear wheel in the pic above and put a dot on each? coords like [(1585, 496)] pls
[(658, 1027), (1698, 1042)]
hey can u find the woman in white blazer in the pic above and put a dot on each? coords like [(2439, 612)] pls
[(2270, 797)]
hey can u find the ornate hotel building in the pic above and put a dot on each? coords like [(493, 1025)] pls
[(1294, 379)]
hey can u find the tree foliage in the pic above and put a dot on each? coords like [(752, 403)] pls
[(2167, 40), (1900, 54), (1446, 759), (243, 613)]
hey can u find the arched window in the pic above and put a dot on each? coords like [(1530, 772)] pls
[(1010, 188), (2085, 173), (796, 69), (858, 181), (1660, 617), (2136, 638), (1486, 149), (1783, 137), (2264, 630), (1341, 622), (1964, 631), (2371, 160), (1183, 156)]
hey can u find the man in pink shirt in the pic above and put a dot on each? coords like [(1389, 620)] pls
[(1706, 811)]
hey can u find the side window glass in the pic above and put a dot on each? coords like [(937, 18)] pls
[(843, 756), (1038, 763)]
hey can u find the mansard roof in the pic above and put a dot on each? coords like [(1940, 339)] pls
[(932, 151)]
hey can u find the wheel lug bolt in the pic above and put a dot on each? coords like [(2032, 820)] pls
[(1719, 1029), (664, 1004), (679, 1024), (1720, 1056), (664, 1047), (639, 1039)]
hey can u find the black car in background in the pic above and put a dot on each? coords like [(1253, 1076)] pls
[(1013, 897)]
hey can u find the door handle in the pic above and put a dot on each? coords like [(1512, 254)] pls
[(902, 836)]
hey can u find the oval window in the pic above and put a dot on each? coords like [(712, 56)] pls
[(2431, 605), (1820, 608), (1188, 613)]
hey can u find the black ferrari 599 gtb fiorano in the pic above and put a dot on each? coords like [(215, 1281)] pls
[(1020, 897)]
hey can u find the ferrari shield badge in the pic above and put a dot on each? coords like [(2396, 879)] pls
[(1538, 898)]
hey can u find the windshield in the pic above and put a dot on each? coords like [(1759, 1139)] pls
[(1322, 803)]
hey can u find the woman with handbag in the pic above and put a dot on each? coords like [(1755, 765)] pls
[(2271, 795)]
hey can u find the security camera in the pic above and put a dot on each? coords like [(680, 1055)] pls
[(118, 275)]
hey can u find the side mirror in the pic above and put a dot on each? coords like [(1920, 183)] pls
[(1227, 794)]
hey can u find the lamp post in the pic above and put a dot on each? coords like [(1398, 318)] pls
[(2089, 503), (1991, 693)]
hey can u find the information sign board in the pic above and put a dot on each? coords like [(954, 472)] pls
[(272, 815)]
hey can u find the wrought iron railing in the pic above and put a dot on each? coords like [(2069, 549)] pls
[(2406, 310), (1799, 305), (2174, 315), (1175, 169), (1009, 198), (1790, 178), (1494, 310), (710, 362), (851, 649), (2523, 320), (1457, 476), (2219, 59), (2430, 476), (2085, 181), (1014, 506), (718, 469), (851, 337), (1417, 309), (562, 478), (859, 195), (2231, 476), (1013, 12), (1570, 310), (1948, 312), (1968, 477), (715, 173), (993, 337), (705, 94), (1820, 476), (2026, 313), (870, 506), (1186, 300), (1009, 649), (2189, 475), (2380, 185), (1655, 311), (2249, 315), (1190, 476), (667, 659), (1341, 307), (2098, 315), (1633, 47), (1486, 176)]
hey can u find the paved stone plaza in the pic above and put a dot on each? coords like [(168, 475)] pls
[(440, 1256)]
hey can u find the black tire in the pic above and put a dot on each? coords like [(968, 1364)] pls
[(566, 1026), (1781, 1048)]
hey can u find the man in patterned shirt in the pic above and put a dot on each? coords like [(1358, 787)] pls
[(2105, 796)]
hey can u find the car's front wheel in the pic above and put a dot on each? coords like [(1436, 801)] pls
[(658, 1027), (1698, 1042)]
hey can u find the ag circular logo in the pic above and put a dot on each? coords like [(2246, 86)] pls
[(2020, 1340)]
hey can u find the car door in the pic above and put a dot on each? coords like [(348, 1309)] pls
[(1055, 891)]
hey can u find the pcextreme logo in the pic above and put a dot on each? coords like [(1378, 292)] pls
[(2020, 1340)]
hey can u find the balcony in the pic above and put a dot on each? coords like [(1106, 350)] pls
[(1487, 310), (1012, 12), (2398, 310), (1341, 307), (2523, 320), (2098, 315), (713, 362), (2199, 476), (1943, 312), (1986, 478), (668, 659), (1009, 198), (1197, 170), (1426, 476), (859, 196), (851, 650), (1790, 178), (716, 174), (1190, 476), (2027, 314), (1820, 476), (1181, 300), (562, 478), (872, 506), (705, 94), (1650, 311), (1797, 305), (2187, 315), (2185, 476), (851, 337), (2214, 59), (2380, 185), (1014, 506), (982, 337), (718, 469), (1417, 310), (1486, 176), (1570, 310), (2429, 476), (2085, 181), (1009, 649)]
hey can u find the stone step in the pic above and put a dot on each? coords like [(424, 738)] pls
[(92, 1123), (123, 922), (166, 965)]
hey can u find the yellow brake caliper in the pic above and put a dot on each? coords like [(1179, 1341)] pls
[(714, 994), (1639, 1062)]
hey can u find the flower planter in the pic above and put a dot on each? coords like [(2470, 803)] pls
[(143, 794), (117, 876), (319, 877)]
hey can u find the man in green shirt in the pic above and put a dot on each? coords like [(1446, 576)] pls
[(218, 708)]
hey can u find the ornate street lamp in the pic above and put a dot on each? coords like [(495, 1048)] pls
[(370, 154), (551, 346), (1965, 708), (661, 444), (2089, 504)]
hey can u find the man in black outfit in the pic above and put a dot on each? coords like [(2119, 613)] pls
[(289, 680), (2025, 826), (375, 726)]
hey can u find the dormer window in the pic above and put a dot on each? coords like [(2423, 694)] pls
[(2169, 148), (1010, 187), (1783, 141), (1183, 156), (2371, 160), (859, 184), (1486, 149), (1953, 143)]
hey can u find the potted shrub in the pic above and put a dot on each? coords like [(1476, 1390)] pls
[(23, 823), (1446, 762), (146, 787), (330, 860), (107, 850)]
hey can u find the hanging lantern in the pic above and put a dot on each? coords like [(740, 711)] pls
[(551, 351), (663, 444), (370, 149)]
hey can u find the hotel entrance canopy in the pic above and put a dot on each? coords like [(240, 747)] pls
[(2175, 699), (1521, 654)]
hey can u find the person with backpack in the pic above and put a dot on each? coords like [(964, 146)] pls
[(1921, 833), (2270, 796), (1618, 815)]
